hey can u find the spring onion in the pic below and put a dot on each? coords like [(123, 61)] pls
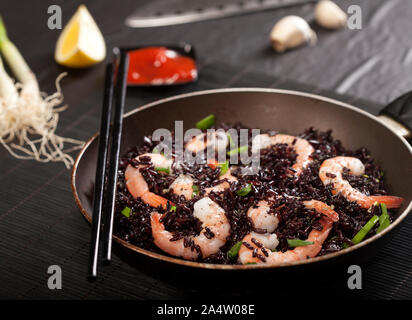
[(126, 212), (237, 151), (161, 169), (206, 122), (244, 191), (384, 220), (365, 230), (224, 167), (195, 191), (231, 142), (173, 208), (233, 252), (298, 243), (28, 120), (251, 263), (156, 149)]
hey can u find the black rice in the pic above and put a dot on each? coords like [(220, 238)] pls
[(275, 179)]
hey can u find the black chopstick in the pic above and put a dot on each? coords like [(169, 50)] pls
[(100, 172), (109, 202)]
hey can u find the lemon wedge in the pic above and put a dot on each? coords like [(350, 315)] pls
[(81, 44)]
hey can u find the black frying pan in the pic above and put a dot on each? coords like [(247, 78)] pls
[(286, 111)]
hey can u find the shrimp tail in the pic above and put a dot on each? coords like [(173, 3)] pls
[(213, 163), (391, 202), (155, 201)]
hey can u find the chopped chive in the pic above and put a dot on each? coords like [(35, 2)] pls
[(365, 175), (233, 252), (365, 230), (244, 191), (173, 208), (238, 150), (298, 243), (206, 122), (384, 220), (195, 191), (251, 263), (345, 245), (231, 142), (161, 169), (224, 167), (126, 212)]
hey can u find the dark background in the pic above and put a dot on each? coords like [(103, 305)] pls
[(40, 224)]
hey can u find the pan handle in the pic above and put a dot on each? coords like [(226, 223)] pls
[(398, 115)]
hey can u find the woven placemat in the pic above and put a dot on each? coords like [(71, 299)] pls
[(41, 226)]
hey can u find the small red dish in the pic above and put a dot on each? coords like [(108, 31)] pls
[(161, 65)]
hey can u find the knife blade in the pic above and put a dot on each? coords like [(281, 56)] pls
[(171, 12)]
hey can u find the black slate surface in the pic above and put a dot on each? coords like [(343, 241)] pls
[(39, 222)]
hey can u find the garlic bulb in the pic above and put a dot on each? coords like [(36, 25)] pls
[(329, 15), (290, 32)]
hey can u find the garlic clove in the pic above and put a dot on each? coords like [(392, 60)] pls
[(329, 15), (290, 32)]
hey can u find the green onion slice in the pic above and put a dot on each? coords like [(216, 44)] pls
[(161, 169), (224, 167), (251, 263), (244, 191), (206, 122), (238, 150), (173, 208), (384, 220), (233, 252), (231, 142), (298, 243), (195, 191), (126, 212), (365, 230)]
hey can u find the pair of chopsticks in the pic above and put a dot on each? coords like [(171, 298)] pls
[(109, 143)]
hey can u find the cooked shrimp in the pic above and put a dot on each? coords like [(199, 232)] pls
[(183, 185), (267, 242), (322, 208), (215, 139), (254, 250), (301, 146), (262, 218), (330, 172), (137, 185), (215, 230)]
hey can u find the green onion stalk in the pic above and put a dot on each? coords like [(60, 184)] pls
[(28, 122), (17, 63), (8, 92)]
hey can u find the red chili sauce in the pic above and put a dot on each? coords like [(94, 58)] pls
[(160, 66)]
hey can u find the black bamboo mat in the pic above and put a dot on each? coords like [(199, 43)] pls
[(40, 224)]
